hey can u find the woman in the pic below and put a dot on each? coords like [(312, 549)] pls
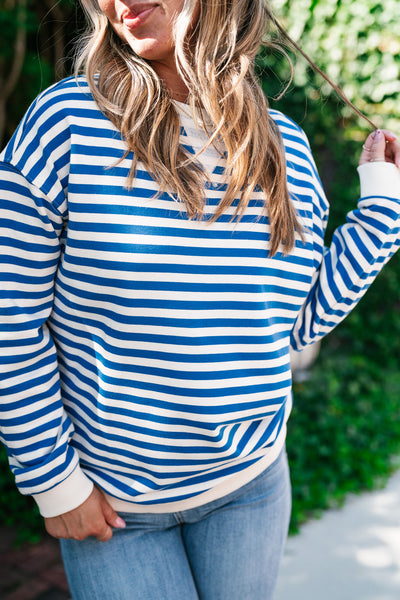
[(163, 250)]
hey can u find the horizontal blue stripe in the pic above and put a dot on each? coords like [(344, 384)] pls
[(181, 391), (134, 411), (136, 353), (172, 339), (42, 480), (179, 286), (42, 430), (205, 375), (133, 229), (199, 268)]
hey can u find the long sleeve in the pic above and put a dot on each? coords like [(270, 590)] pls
[(34, 425), (359, 250)]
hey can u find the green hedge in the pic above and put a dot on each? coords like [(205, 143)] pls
[(17, 511), (344, 432)]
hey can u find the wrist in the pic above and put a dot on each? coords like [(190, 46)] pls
[(66, 496)]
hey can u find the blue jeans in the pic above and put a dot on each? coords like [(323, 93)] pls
[(227, 549)]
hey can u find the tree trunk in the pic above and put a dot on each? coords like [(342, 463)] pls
[(9, 83)]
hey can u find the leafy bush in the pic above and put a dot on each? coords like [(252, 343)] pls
[(344, 432), (35, 47), (356, 43), (17, 511)]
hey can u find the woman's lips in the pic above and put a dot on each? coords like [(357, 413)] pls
[(138, 15)]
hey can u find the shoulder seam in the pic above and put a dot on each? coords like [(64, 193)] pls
[(15, 169)]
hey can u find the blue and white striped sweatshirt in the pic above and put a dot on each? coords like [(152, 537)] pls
[(146, 352)]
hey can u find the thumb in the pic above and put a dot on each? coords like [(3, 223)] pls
[(374, 148), (378, 146), (111, 516)]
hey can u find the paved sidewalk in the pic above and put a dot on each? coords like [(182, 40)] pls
[(349, 554), (31, 571)]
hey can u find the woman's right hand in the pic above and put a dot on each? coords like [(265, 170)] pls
[(95, 517), (381, 146)]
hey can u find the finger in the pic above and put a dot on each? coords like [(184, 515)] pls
[(393, 152), (367, 149), (389, 135), (109, 514), (392, 149), (397, 155), (105, 535), (374, 149), (378, 147)]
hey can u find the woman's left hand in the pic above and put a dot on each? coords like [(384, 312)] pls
[(381, 146)]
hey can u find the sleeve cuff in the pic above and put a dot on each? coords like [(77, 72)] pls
[(379, 179), (66, 496)]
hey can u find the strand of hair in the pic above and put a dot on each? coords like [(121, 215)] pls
[(337, 89)]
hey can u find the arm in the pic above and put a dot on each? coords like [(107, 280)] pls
[(34, 425), (359, 248)]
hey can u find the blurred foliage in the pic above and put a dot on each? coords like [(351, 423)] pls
[(344, 433), (16, 510), (45, 31), (357, 44)]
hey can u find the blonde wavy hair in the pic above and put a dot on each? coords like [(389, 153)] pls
[(219, 74)]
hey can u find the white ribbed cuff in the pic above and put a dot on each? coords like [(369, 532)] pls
[(66, 496), (379, 179)]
